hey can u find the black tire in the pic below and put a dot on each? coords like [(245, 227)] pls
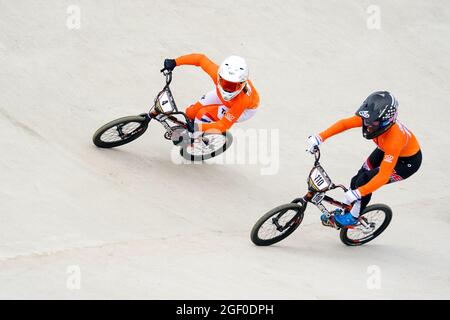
[(358, 241), (138, 129), (188, 155), (278, 212)]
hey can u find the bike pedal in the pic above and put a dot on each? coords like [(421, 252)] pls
[(326, 223), (205, 140)]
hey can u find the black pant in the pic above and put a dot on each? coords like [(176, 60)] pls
[(405, 167)]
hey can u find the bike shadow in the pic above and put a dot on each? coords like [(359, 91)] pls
[(167, 164), (330, 247)]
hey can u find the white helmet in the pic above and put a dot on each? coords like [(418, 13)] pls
[(232, 77)]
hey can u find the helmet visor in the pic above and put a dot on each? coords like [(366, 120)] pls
[(372, 125), (229, 86)]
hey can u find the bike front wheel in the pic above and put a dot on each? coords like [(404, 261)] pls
[(120, 131), (277, 224), (377, 218), (208, 146)]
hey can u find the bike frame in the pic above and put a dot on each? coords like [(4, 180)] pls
[(163, 117), (317, 196)]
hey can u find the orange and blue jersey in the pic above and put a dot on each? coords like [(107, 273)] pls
[(396, 142), (248, 98)]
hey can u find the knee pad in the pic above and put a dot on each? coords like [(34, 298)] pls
[(353, 182), (363, 179), (360, 179)]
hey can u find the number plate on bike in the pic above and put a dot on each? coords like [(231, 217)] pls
[(164, 103), (318, 180)]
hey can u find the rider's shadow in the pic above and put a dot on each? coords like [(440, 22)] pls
[(161, 163), (317, 245)]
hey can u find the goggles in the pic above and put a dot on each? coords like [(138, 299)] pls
[(229, 86)]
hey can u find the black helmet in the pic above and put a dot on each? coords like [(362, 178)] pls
[(379, 113)]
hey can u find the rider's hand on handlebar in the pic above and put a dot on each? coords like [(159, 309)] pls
[(312, 142), (352, 196), (169, 64)]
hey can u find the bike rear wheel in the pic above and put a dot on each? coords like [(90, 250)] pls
[(377, 216), (120, 131), (208, 146), (277, 224)]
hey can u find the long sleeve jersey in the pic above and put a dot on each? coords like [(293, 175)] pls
[(248, 98), (396, 142)]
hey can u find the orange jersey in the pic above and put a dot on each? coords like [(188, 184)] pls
[(396, 142), (248, 98)]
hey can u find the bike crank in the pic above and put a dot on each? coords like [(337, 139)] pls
[(365, 226)]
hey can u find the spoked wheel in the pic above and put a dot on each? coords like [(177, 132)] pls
[(377, 217), (277, 224), (120, 131), (206, 147)]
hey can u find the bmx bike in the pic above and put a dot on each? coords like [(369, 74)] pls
[(164, 110), (280, 222)]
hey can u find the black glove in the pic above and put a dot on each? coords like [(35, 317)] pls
[(170, 64)]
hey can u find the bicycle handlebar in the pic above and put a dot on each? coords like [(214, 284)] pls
[(316, 152), (316, 155), (167, 74)]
